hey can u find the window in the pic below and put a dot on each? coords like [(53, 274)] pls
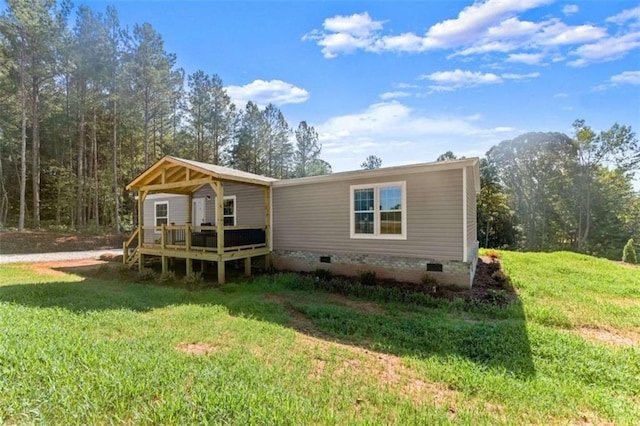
[(161, 214), (229, 210), (378, 211)]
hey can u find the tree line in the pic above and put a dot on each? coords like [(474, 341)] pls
[(549, 191), (86, 105)]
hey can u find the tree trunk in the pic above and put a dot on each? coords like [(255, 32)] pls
[(94, 148), (23, 144), (80, 166), (35, 150), (116, 195)]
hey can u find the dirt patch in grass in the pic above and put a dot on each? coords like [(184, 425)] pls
[(27, 242), (198, 348), (611, 337), (388, 370), (368, 307)]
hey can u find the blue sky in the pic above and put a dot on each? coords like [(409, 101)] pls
[(407, 81)]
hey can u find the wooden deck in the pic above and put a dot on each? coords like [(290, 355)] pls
[(198, 243)]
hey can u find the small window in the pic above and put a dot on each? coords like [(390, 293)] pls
[(161, 214), (229, 210), (378, 211)]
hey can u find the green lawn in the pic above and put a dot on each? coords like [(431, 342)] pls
[(78, 349)]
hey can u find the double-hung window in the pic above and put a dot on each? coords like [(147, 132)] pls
[(229, 210), (379, 211), (160, 214)]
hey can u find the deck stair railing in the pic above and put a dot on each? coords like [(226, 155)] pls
[(130, 253)]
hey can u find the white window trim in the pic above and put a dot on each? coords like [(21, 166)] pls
[(235, 208), (155, 214), (376, 212)]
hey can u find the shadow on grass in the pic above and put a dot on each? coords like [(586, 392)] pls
[(491, 337)]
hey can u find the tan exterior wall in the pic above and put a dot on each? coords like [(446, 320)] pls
[(316, 217), (249, 203)]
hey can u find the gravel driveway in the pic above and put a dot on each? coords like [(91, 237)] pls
[(54, 257)]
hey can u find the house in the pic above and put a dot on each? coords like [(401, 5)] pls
[(400, 222)]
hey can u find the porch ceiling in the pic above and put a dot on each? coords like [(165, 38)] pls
[(180, 176)]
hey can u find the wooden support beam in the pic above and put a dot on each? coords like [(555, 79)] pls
[(267, 226), (176, 185), (189, 266), (165, 264), (247, 267), (221, 277), (140, 262)]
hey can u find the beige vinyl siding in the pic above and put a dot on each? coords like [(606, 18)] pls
[(249, 203), (472, 225), (316, 217), (177, 205)]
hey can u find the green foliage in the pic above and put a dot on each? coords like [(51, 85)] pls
[(367, 278), (629, 253), (193, 281), (168, 278), (323, 274), (104, 349), (147, 274), (429, 280), (371, 162)]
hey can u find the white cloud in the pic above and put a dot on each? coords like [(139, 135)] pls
[(627, 77), (473, 21), (526, 58), (262, 92), (560, 95), (457, 79), (512, 76), (570, 9), (346, 34), (609, 49), (394, 95), (402, 135), (625, 15), (557, 33)]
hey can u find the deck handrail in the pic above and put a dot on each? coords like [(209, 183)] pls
[(126, 256)]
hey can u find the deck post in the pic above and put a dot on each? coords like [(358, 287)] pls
[(267, 226), (165, 264), (247, 266), (189, 263), (218, 187)]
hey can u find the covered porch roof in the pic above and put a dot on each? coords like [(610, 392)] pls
[(179, 176)]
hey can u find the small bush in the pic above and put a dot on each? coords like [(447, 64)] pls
[(629, 253), (147, 274), (429, 282), (193, 281), (323, 274), (367, 278), (494, 266), (122, 269), (168, 277), (493, 254), (104, 269), (497, 297), (500, 277)]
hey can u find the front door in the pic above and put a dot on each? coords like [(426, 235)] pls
[(197, 211)]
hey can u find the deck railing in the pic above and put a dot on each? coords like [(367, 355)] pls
[(204, 237)]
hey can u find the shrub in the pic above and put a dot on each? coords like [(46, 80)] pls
[(147, 274), (367, 278), (497, 297), (429, 282), (104, 270), (323, 274), (493, 254), (494, 266), (193, 281), (629, 252), (168, 277)]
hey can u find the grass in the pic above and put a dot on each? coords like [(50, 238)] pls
[(78, 348)]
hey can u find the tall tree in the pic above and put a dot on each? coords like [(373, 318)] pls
[(35, 28), (154, 77), (307, 148), (371, 162)]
